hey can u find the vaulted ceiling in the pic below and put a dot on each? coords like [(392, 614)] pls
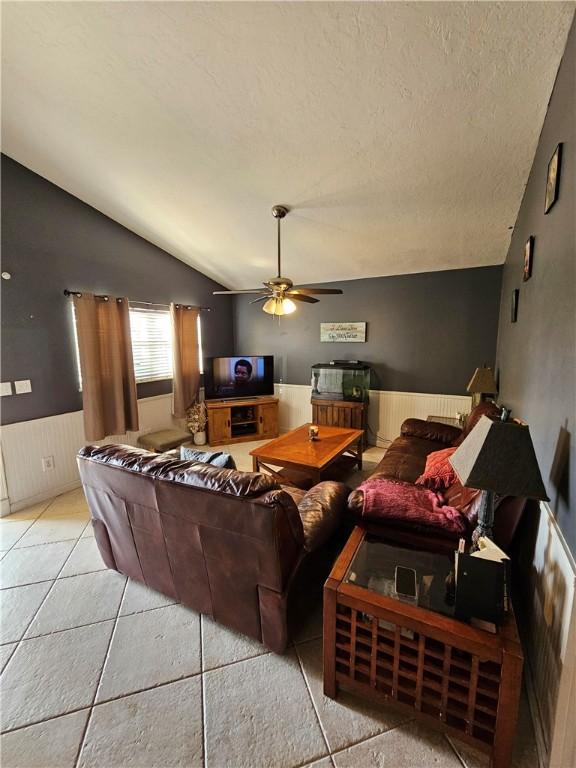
[(401, 134)]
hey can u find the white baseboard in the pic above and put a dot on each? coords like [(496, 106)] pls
[(44, 495)]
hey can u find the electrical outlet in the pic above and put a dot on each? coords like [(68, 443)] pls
[(47, 463)]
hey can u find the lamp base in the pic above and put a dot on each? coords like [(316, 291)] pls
[(485, 519)]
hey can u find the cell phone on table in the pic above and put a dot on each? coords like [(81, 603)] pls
[(405, 582)]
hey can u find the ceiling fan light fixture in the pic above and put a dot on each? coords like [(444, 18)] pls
[(279, 307)]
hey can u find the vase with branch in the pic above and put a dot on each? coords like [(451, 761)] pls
[(196, 419)]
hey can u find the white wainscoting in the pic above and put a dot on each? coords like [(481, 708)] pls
[(550, 644), (386, 410), (26, 443)]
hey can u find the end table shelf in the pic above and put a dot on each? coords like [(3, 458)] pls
[(459, 679)]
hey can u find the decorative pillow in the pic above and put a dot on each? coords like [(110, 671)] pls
[(407, 504), (439, 473), (215, 458)]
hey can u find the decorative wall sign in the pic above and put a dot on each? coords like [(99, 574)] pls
[(514, 305), (528, 256), (340, 332), (553, 180)]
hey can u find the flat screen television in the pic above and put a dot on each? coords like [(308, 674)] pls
[(242, 376)]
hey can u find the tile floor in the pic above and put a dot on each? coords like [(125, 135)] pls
[(101, 672)]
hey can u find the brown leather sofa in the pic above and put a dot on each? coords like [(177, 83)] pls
[(228, 544), (405, 460)]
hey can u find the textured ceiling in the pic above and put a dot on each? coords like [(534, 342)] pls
[(402, 134)]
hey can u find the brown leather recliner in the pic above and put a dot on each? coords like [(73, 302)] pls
[(225, 543)]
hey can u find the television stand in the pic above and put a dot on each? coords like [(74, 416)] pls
[(239, 420)]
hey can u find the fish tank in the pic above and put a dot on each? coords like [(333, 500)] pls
[(341, 380)]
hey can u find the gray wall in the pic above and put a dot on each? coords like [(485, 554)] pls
[(536, 355), (51, 241), (426, 332)]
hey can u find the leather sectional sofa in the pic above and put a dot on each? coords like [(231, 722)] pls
[(405, 460), (225, 543)]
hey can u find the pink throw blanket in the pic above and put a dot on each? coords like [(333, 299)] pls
[(396, 500)]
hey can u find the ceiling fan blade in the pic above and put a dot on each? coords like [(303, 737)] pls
[(310, 291), (215, 293), (301, 297), (261, 298)]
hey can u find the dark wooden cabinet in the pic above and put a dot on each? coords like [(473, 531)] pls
[(341, 413), (242, 420)]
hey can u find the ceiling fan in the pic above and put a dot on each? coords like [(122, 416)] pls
[(279, 294)]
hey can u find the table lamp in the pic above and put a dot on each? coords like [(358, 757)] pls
[(498, 458), (481, 383)]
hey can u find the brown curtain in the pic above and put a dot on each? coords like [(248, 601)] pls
[(186, 375), (107, 367)]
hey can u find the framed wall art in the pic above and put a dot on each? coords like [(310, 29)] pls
[(553, 180), (338, 332), (528, 257)]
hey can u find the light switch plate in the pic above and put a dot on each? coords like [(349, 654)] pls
[(23, 387), (5, 388)]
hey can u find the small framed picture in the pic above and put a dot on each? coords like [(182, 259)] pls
[(528, 256), (514, 305), (553, 180)]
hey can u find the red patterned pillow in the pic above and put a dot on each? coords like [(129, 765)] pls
[(439, 473)]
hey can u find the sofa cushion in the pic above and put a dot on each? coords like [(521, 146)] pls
[(430, 430), (215, 458), (439, 473), (405, 459), (391, 500)]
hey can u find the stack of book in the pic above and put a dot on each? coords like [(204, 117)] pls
[(482, 585)]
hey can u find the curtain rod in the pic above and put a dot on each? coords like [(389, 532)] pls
[(147, 303)]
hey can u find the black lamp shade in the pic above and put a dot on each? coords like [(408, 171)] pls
[(499, 456)]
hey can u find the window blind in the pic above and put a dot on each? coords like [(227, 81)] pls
[(151, 344)]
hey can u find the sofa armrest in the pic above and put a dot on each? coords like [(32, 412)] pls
[(430, 430), (321, 511)]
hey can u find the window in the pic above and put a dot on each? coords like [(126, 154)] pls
[(151, 344)]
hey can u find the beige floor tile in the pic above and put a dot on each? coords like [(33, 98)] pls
[(160, 727), (88, 532), (32, 564), (30, 513), (46, 530), (53, 675), (52, 744), (326, 762), (258, 714), (6, 652), (139, 598), (85, 558), (221, 645), (11, 532), (349, 719), (71, 503), (18, 607), (84, 599), (409, 746), (151, 648)]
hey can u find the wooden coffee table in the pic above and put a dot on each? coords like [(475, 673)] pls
[(295, 452)]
